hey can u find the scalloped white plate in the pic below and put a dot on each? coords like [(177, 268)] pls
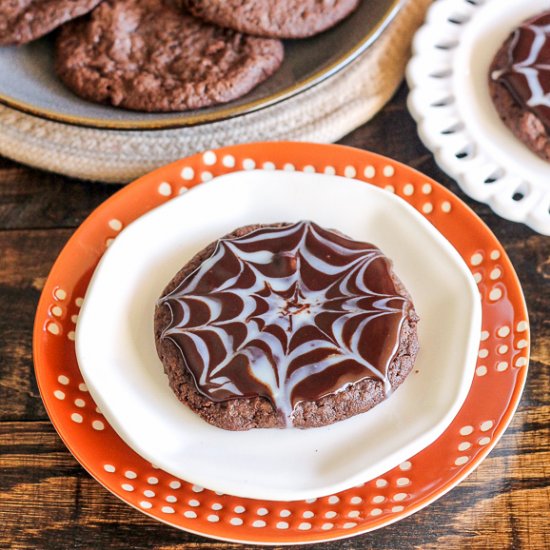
[(456, 119), (116, 351)]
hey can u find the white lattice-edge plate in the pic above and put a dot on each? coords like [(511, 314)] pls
[(449, 98)]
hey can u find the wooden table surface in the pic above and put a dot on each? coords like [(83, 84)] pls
[(47, 500)]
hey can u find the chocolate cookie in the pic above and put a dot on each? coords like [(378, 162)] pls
[(274, 18), (22, 21), (285, 325), (148, 55), (519, 83)]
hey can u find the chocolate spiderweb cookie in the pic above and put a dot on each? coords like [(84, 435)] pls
[(287, 324), (274, 18), (519, 83), (22, 21), (149, 55)]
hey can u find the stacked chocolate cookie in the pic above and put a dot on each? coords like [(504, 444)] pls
[(167, 55)]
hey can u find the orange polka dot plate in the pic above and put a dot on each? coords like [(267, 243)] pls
[(416, 481)]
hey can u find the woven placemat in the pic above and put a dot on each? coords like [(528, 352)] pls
[(324, 113)]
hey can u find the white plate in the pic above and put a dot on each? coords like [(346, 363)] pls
[(450, 100), (116, 351)]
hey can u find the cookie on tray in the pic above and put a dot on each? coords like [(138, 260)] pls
[(26, 20), (285, 325), (519, 83), (274, 18), (149, 55)]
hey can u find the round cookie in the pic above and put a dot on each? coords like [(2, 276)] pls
[(519, 82), (257, 411), (148, 55), (25, 20), (274, 18)]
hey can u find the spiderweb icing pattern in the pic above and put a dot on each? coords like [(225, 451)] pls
[(284, 308)]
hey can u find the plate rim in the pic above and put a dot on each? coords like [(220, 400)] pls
[(302, 537), (227, 111)]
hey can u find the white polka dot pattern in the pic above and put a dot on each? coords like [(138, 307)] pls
[(259, 523), (165, 189), (228, 161), (369, 172), (495, 294), (209, 158), (115, 225), (350, 172), (60, 294), (187, 173), (98, 425), (487, 425), (476, 259), (249, 164)]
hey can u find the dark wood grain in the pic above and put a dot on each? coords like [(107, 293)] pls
[(48, 501)]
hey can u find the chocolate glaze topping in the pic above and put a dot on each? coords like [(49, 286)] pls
[(527, 71), (288, 313)]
